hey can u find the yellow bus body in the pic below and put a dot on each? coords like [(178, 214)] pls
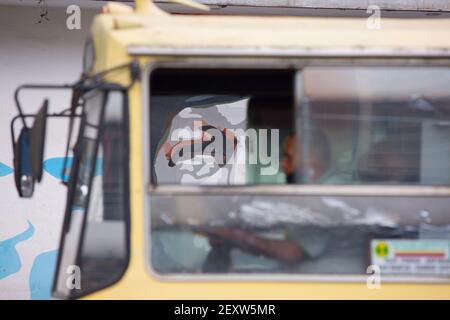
[(114, 33)]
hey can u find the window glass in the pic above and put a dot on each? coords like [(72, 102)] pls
[(94, 241), (374, 126), (289, 234), (351, 126), (103, 256), (83, 166)]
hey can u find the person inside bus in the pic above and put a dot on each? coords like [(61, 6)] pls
[(317, 170), (316, 167)]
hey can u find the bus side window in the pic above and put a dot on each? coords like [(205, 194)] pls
[(352, 126)]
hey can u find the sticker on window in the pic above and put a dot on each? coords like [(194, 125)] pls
[(411, 257)]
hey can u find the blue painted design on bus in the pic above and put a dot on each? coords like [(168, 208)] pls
[(5, 170), (54, 166), (41, 275), (10, 262)]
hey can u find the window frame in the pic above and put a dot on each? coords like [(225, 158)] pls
[(297, 64)]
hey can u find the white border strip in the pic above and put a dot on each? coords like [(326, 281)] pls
[(400, 5), (319, 190), (288, 52)]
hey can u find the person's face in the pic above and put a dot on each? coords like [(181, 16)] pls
[(294, 164), (290, 156)]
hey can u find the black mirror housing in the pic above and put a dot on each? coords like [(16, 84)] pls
[(37, 142), (22, 169)]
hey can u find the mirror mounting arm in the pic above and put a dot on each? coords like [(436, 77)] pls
[(82, 85), (51, 115), (33, 86), (28, 150)]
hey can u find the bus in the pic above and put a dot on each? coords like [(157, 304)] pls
[(246, 157)]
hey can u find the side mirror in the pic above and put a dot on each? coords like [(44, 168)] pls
[(37, 142), (29, 154), (22, 169)]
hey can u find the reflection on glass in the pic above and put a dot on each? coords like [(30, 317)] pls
[(84, 172), (380, 126)]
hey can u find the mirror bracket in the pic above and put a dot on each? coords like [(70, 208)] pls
[(29, 148)]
